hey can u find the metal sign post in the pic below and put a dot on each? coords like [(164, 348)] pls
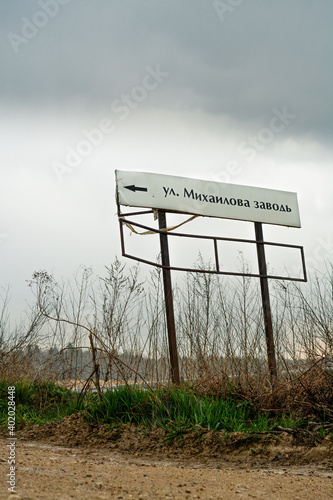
[(168, 298), (266, 304)]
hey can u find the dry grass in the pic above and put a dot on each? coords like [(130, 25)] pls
[(112, 330)]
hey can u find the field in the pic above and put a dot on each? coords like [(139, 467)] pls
[(86, 391)]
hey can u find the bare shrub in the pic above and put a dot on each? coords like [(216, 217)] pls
[(111, 330)]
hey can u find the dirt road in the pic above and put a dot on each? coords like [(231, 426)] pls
[(47, 471)]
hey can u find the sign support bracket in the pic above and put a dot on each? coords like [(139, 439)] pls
[(168, 298), (266, 304)]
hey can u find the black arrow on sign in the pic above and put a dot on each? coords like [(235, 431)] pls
[(135, 188)]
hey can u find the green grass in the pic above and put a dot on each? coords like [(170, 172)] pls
[(36, 402), (177, 410)]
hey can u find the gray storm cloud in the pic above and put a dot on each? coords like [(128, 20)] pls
[(235, 59), (233, 91)]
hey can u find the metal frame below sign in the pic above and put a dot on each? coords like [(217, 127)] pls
[(123, 220), (167, 268)]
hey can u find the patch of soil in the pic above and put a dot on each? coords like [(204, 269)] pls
[(193, 447), (72, 459)]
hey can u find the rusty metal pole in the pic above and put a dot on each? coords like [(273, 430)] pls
[(266, 304), (168, 299)]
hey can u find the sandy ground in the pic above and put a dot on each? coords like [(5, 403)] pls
[(48, 471), (74, 459)]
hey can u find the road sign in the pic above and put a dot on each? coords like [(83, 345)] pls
[(212, 199)]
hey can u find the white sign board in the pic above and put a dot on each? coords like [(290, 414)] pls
[(212, 199)]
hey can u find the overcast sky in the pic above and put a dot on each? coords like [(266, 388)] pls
[(231, 91)]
